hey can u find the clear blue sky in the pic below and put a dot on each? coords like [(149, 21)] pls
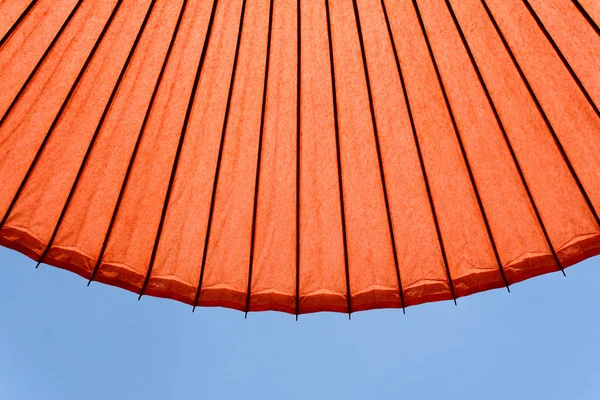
[(62, 340)]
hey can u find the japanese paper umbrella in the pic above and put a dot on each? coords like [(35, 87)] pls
[(301, 156)]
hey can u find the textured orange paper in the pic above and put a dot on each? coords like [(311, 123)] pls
[(301, 156)]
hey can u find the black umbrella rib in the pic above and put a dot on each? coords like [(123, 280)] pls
[(543, 114), (462, 147), (339, 159), (137, 144), (96, 133), (298, 131), (505, 136), (587, 16), (562, 57), (379, 157), (259, 159), (419, 152), (17, 23), (220, 156), (60, 112)]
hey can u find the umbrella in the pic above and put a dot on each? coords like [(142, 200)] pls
[(301, 156)]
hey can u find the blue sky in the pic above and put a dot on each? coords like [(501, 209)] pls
[(62, 340)]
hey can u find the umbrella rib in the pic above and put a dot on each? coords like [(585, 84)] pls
[(60, 112), (379, 157), (137, 145), (562, 57), (184, 129), (462, 148), (419, 152), (543, 114), (258, 161), (39, 63), (96, 133), (220, 156), (587, 16), (505, 135), (298, 127), (339, 160), (18, 22)]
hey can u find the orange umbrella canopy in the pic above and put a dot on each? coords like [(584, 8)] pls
[(301, 156)]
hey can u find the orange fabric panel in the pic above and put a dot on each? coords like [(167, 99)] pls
[(37, 32), (181, 248), (575, 38), (467, 245), (25, 128), (343, 156), (228, 254), (274, 270), (62, 157), (500, 188), (87, 219), (573, 119), (130, 245), (562, 208), (592, 8), (422, 271), (10, 11), (322, 268), (370, 258)]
